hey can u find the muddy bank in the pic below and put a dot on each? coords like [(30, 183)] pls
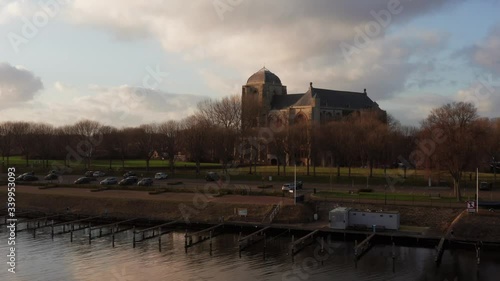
[(208, 212)]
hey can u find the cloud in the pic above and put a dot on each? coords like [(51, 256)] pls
[(116, 106), (17, 84), (63, 88), (484, 95), (298, 41), (486, 54)]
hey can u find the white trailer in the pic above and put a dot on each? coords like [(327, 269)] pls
[(339, 218)]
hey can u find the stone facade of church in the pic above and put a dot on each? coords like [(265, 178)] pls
[(265, 99), (264, 96)]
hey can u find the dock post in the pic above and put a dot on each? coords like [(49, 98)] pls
[(71, 233), (355, 254), (210, 242), (52, 229), (90, 232), (186, 241), (478, 254), (393, 257), (133, 241), (100, 231), (293, 248), (64, 228), (264, 251), (34, 232), (113, 237), (159, 238)]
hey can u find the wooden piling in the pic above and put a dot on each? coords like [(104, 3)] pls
[(133, 241), (159, 238)]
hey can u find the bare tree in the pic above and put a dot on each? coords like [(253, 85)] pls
[(169, 141), (460, 135), (194, 134), (6, 141), (89, 136), (145, 139)]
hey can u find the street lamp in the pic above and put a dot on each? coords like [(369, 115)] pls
[(295, 185), (494, 172)]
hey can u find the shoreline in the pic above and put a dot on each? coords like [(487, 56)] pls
[(170, 208)]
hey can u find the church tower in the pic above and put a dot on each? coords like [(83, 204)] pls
[(257, 96)]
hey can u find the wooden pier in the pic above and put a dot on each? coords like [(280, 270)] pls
[(154, 231), (249, 240), (300, 242), (113, 228), (363, 247), (439, 250), (188, 242), (36, 222)]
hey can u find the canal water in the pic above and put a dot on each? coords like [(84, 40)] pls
[(45, 259)]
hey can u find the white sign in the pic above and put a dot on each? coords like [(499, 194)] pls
[(471, 206), (243, 212)]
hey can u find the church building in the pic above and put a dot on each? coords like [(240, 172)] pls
[(264, 96)]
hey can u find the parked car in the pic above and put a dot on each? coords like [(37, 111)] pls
[(161, 176), (56, 172), (212, 176), (129, 174), (98, 174), (146, 182), (28, 174), (26, 177), (291, 186), (485, 186), (109, 181), (83, 180), (89, 173), (51, 176), (128, 180)]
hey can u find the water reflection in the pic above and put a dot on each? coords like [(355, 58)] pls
[(44, 259)]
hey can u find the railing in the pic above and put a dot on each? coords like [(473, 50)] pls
[(274, 212)]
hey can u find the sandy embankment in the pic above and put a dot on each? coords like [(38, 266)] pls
[(130, 204)]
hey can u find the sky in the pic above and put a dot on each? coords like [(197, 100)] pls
[(127, 62)]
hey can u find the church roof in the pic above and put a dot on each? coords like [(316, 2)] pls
[(264, 76), (342, 99), (327, 98), (284, 101)]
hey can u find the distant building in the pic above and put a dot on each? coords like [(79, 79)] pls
[(264, 97), (266, 102)]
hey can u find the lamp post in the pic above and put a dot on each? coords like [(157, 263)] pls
[(494, 172), (295, 185)]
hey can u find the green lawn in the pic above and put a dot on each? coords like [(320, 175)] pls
[(382, 196)]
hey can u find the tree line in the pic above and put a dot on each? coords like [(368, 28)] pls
[(453, 138)]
